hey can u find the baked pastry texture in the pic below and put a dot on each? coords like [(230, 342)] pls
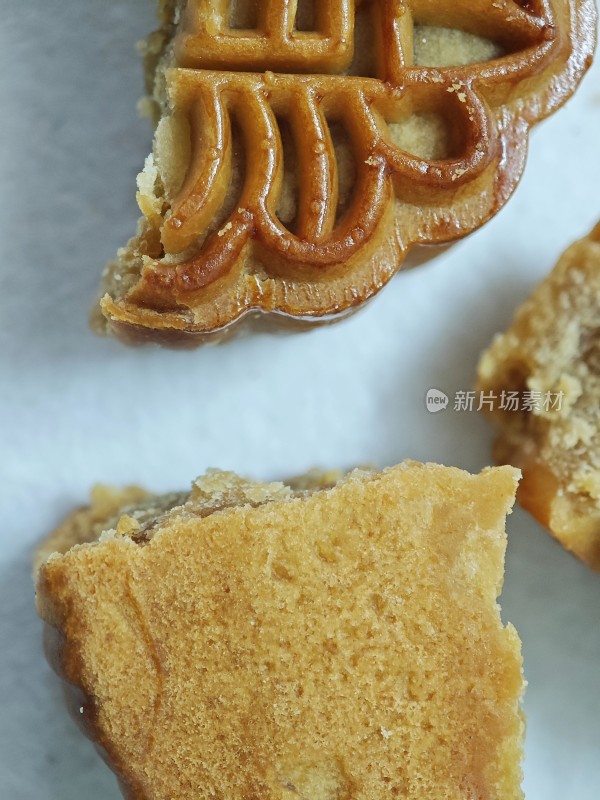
[(248, 640), (550, 357), (302, 149)]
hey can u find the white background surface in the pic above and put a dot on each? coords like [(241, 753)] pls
[(76, 409)]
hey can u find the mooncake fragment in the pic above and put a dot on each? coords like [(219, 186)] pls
[(304, 149), (549, 361), (251, 641)]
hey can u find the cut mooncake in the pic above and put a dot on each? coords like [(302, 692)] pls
[(306, 151), (549, 360), (249, 640)]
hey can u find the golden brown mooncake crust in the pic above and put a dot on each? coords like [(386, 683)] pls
[(553, 346), (315, 225), (257, 642)]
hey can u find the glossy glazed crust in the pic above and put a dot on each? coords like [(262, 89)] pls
[(321, 644), (253, 265), (552, 346)]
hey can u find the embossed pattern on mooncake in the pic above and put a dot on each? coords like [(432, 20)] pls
[(304, 148)]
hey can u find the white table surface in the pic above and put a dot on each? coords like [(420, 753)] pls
[(76, 409)]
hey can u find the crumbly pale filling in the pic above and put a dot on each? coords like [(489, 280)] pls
[(253, 640), (447, 47), (552, 349)]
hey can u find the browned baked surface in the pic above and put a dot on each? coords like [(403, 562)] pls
[(552, 348), (256, 642), (298, 159)]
